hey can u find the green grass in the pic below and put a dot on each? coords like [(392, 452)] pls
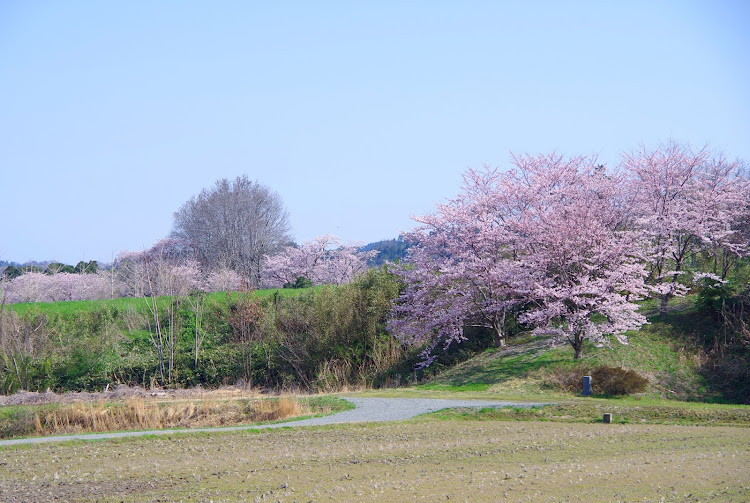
[(66, 308), (464, 388), (624, 411), (661, 351), (494, 367)]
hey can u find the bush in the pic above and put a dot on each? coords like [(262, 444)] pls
[(605, 380), (617, 381), (565, 378)]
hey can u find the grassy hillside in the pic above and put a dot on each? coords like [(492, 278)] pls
[(668, 352), (530, 368)]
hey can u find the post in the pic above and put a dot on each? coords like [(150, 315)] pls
[(586, 386), (607, 419)]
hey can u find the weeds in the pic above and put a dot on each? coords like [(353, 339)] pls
[(138, 414)]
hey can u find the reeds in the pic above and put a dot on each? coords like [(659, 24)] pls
[(144, 414)]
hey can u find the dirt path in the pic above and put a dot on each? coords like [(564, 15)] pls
[(366, 410)]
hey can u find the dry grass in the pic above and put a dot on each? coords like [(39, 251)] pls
[(419, 460), (139, 414), (122, 392), (273, 410)]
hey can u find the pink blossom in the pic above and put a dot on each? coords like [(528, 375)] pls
[(323, 261), (223, 280), (548, 235), (683, 201)]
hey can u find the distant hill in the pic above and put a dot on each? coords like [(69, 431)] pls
[(390, 250)]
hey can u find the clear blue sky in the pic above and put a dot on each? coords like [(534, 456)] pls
[(359, 114)]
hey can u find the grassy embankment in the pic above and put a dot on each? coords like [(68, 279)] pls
[(666, 352), (123, 304), (210, 340), (319, 339)]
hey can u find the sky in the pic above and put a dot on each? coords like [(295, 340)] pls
[(358, 114)]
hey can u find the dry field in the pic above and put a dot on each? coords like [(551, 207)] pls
[(418, 460)]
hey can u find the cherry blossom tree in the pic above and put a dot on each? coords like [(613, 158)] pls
[(3, 291), (584, 266), (39, 287), (87, 286), (130, 272), (323, 261), (723, 204), (686, 200), (294, 261), (223, 280), (461, 270), (29, 287), (167, 268), (548, 236), (342, 264)]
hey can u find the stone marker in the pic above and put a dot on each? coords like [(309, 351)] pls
[(586, 386), (607, 418)]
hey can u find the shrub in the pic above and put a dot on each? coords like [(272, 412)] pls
[(604, 380), (617, 381), (566, 378)]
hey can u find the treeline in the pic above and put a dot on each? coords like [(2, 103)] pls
[(12, 271), (234, 235), (323, 338), (167, 268), (170, 267)]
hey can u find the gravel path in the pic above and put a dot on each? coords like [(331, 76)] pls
[(366, 410)]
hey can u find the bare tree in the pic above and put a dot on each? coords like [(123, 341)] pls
[(234, 225)]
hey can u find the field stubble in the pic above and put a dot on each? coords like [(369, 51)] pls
[(418, 460)]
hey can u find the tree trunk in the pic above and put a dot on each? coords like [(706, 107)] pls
[(498, 326), (578, 351), (499, 338), (663, 304), (577, 344), (667, 296)]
